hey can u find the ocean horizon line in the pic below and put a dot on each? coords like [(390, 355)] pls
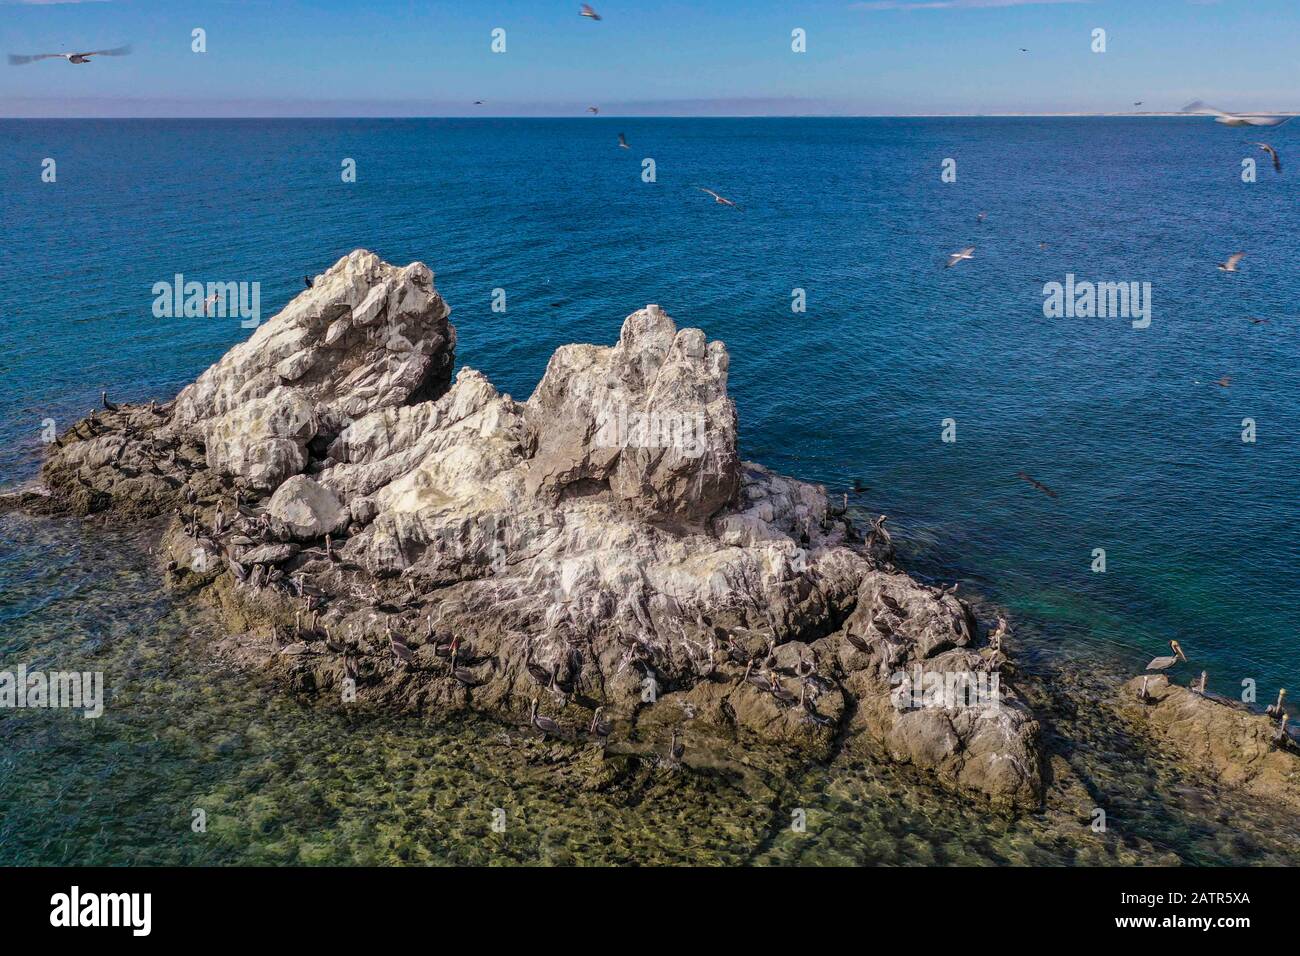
[(639, 116)]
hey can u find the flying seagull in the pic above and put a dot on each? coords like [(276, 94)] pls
[(594, 110), (1231, 264), (959, 255), (622, 142), (1164, 663), (589, 13), (1277, 160), (1234, 119), (1037, 484), (1138, 103), (720, 200), (18, 59)]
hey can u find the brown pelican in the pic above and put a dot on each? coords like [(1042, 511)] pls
[(1231, 264), (1274, 710), (960, 255), (465, 676), (1234, 119), (539, 673), (622, 142), (1281, 739), (1037, 484), (780, 693), (103, 397), (599, 728), (308, 281), (544, 724), (1199, 688), (19, 59), (401, 651), (758, 680), (1142, 691), (675, 750), (589, 13), (1277, 160), (1163, 663), (720, 200)]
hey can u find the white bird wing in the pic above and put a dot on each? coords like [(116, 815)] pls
[(115, 51), (1234, 259), (1199, 106), (17, 59)]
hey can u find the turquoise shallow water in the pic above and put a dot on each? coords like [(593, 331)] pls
[(1199, 528)]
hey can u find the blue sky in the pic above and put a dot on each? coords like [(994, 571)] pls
[(720, 57)]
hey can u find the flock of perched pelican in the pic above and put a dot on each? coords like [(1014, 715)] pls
[(1281, 738)]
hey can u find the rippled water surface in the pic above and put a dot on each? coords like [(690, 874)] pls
[(1199, 528)]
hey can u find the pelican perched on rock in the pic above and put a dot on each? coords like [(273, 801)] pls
[(599, 728), (758, 680), (1164, 663), (1274, 710), (1281, 738), (544, 724), (675, 750), (103, 397), (401, 650), (781, 694), (19, 59), (1234, 119)]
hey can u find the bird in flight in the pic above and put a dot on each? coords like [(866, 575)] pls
[(622, 142), (593, 110), (1037, 484), (981, 217), (589, 13), (1023, 50), (720, 200), (1234, 119), (1138, 103), (16, 59), (1231, 264), (959, 255), (1277, 160)]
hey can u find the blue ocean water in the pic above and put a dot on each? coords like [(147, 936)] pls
[(1145, 453)]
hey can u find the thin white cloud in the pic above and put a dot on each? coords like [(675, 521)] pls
[(953, 4)]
